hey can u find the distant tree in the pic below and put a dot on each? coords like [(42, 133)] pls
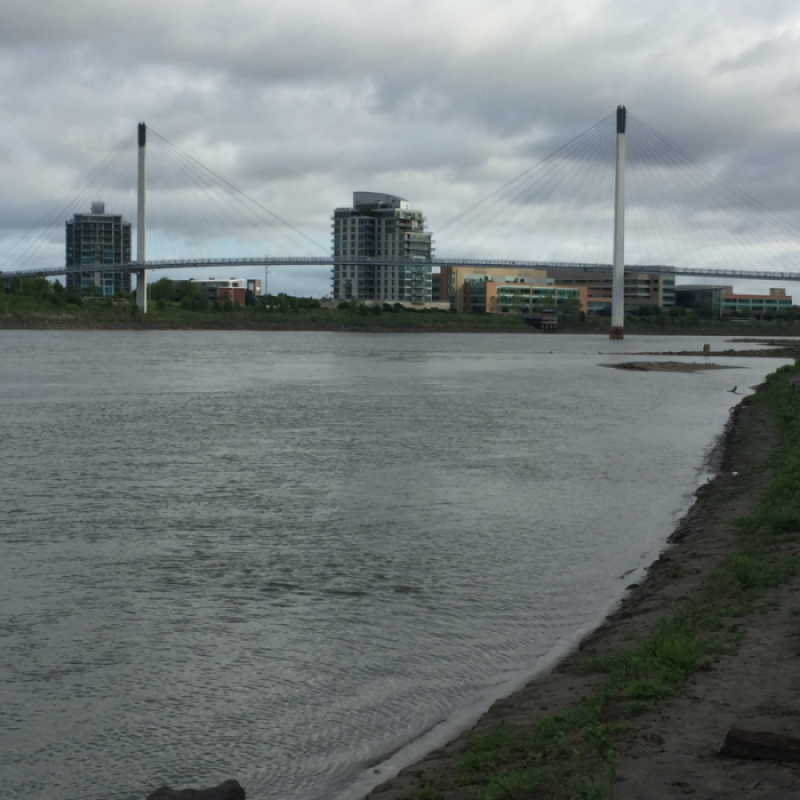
[(163, 289), (649, 311), (190, 289), (194, 304), (37, 286), (308, 303)]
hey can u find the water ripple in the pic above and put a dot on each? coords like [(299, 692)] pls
[(283, 557)]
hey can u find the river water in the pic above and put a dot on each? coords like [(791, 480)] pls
[(284, 557)]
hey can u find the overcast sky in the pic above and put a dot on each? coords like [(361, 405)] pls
[(300, 102)]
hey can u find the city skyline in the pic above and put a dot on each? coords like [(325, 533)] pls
[(300, 105)]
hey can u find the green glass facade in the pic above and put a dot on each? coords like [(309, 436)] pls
[(383, 228), (97, 239)]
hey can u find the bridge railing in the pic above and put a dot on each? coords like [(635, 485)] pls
[(298, 261)]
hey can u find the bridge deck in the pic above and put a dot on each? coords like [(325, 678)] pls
[(302, 261)]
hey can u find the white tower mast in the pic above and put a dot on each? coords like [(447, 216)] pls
[(141, 257), (617, 329)]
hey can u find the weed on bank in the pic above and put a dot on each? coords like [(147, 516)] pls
[(574, 754)]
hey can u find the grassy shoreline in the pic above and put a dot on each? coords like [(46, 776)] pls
[(587, 729), (54, 312), (402, 322)]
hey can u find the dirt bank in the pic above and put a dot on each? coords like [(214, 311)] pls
[(672, 748)]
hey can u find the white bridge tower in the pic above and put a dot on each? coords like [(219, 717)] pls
[(141, 238), (617, 329)]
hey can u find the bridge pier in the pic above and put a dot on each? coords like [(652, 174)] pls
[(141, 258), (141, 289), (617, 329)]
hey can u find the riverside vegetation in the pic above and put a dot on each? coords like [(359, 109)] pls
[(574, 753), (37, 303)]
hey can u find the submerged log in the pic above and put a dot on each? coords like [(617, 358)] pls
[(761, 745), (228, 790)]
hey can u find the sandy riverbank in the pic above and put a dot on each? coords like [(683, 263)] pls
[(672, 748)]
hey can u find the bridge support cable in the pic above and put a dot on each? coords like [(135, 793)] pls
[(191, 214), (711, 223), (697, 226), (502, 223), (206, 215), (650, 235), (42, 245), (235, 214), (593, 237), (558, 222), (617, 329)]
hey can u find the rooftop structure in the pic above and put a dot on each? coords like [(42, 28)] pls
[(233, 289)]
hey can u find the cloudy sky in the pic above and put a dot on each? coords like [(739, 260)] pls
[(300, 102)]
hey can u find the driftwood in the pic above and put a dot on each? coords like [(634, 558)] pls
[(761, 745), (229, 790)]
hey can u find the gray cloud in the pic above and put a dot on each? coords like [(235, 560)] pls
[(300, 103)]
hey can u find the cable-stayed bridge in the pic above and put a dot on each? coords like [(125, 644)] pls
[(661, 212), (308, 261)]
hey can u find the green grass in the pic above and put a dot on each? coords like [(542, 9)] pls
[(55, 310), (23, 309), (575, 754), (549, 758)]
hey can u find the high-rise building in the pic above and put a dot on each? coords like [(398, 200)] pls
[(381, 227), (97, 239)]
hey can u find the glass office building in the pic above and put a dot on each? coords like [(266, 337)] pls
[(93, 240), (381, 228)]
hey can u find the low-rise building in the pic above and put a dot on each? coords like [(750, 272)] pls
[(641, 288), (500, 290), (233, 289), (721, 302)]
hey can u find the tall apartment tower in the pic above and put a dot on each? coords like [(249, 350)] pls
[(96, 239), (381, 227)]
